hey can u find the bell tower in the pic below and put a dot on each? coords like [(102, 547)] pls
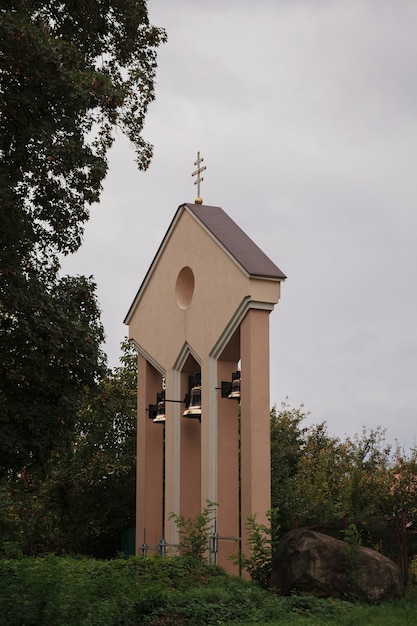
[(200, 322)]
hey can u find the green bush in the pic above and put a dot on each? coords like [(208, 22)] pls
[(194, 532), (261, 544), (58, 591)]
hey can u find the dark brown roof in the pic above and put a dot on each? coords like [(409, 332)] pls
[(235, 240)]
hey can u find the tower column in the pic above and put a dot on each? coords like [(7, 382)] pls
[(227, 472), (149, 460), (255, 418)]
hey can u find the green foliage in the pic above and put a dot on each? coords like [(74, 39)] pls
[(69, 74), (317, 477), (194, 532), (345, 477), (86, 495), (287, 443), (403, 483), (48, 357), (10, 526), (412, 572), (353, 538), (262, 542), (51, 591), (139, 590)]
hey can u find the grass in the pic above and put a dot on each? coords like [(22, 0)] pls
[(397, 613), (68, 591)]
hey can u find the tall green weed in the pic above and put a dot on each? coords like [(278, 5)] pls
[(194, 532), (260, 548)]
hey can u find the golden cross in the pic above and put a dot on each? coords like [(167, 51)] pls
[(199, 179)]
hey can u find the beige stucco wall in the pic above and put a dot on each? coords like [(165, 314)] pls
[(161, 327)]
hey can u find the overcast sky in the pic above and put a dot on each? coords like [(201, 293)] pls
[(305, 112)]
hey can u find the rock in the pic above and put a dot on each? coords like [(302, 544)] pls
[(309, 561)]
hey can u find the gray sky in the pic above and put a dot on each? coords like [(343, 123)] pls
[(305, 112)]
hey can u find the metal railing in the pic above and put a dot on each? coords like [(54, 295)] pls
[(163, 547)]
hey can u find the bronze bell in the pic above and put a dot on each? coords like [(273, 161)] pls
[(194, 403), (160, 413), (235, 388)]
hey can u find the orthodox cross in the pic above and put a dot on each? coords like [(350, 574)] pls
[(199, 179)]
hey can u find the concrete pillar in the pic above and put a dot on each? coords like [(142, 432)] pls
[(190, 457), (149, 460), (255, 418), (227, 471)]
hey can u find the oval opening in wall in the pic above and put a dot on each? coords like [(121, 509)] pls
[(184, 287)]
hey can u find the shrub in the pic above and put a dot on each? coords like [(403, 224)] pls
[(194, 532), (152, 591), (262, 543)]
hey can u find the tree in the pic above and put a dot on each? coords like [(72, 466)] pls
[(321, 479), (86, 496), (338, 478), (403, 484), (70, 72), (317, 477), (49, 354), (370, 459), (101, 482), (287, 444)]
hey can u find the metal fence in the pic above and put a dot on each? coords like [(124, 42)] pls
[(395, 536), (163, 548)]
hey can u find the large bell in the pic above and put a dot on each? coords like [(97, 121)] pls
[(235, 389), (194, 403), (160, 413)]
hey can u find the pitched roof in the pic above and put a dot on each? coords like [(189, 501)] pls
[(229, 236), (236, 241)]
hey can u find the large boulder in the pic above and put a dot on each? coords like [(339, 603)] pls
[(311, 562)]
